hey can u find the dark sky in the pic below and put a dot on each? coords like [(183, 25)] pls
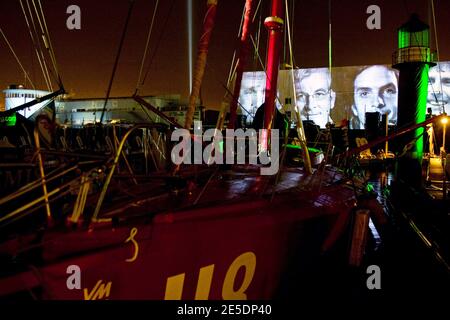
[(85, 57)]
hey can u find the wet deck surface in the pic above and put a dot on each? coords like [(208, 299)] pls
[(412, 279)]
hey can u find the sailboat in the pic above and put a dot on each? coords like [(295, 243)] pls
[(98, 229)]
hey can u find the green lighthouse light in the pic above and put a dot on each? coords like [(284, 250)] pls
[(413, 42), (414, 33)]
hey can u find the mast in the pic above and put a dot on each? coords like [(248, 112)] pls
[(243, 54), (274, 25), (202, 53)]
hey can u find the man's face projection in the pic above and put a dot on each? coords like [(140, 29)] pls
[(376, 90), (439, 89), (314, 98)]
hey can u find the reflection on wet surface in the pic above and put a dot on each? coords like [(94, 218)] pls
[(380, 179)]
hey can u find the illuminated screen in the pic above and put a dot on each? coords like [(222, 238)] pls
[(439, 88), (346, 93), (252, 93)]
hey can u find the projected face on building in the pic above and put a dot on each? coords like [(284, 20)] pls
[(375, 90), (439, 88), (314, 96), (252, 91)]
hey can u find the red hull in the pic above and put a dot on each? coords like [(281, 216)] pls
[(233, 251)]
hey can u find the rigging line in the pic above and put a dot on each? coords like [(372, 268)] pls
[(435, 30), (284, 43), (262, 66), (47, 42), (330, 51), (31, 36), (17, 58), (233, 67), (144, 57), (234, 63), (37, 44), (285, 48), (46, 37), (437, 53), (40, 47), (300, 128), (256, 11), (329, 38), (227, 90), (119, 50), (293, 82), (51, 51), (258, 38), (158, 42), (292, 30), (34, 44), (231, 93)]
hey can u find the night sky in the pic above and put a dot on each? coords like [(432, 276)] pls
[(85, 57)]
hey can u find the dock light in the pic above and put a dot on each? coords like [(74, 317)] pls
[(444, 120)]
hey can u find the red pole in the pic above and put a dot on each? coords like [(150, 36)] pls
[(243, 54), (274, 25), (202, 52)]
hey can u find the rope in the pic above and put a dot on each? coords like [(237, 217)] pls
[(17, 58), (50, 49), (34, 44), (437, 53), (329, 48), (234, 63), (262, 64), (144, 57), (258, 39), (300, 129), (44, 61), (130, 9), (158, 42), (80, 203), (286, 32)]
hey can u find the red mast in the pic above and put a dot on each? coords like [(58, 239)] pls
[(245, 44), (202, 52), (274, 25)]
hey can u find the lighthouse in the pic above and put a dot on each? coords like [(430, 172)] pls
[(413, 60)]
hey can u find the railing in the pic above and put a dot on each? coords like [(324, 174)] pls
[(413, 54), (46, 198), (80, 184), (119, 152), (392, 136)]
